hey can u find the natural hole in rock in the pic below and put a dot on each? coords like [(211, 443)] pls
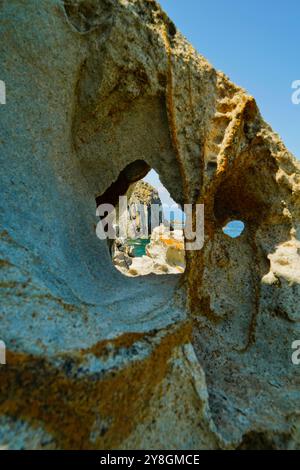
[(147, 222), (234, 228)]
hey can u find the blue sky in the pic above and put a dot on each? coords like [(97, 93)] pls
[(169, 206), (257, 44)]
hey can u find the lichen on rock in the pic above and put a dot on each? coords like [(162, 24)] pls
[(99, 360)]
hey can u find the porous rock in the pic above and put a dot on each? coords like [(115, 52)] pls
[(98, 360)]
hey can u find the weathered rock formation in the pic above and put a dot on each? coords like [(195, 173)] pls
[(98, 91), (135, 219), (167, 248), (144, 210), (165, 254)]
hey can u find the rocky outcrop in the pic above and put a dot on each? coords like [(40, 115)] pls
[(98, 91), (165, 254), (167, 249), (143, 212), (144, 209)]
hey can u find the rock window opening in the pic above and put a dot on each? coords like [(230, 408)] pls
[(149, 236)]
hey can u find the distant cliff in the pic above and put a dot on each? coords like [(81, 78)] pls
[(145, 210)]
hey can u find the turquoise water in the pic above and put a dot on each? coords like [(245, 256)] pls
[(233, 229), (139, 246)]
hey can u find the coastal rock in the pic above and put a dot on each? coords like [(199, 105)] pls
[(99, 91), (134, 221), (165, 254), (145, 210), (139, 214), (166, 248)]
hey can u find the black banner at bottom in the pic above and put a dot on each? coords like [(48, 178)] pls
[(136, 459)]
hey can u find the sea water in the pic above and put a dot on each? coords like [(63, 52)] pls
[(233, 229), (138, 246)]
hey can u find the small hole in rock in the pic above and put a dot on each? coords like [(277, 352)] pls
[(234, 228)]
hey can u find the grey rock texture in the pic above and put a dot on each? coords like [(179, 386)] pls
[(145, 210), (98, 360)]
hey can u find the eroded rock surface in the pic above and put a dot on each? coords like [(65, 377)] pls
[(143, 199), (165, 254), (98, 360)]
